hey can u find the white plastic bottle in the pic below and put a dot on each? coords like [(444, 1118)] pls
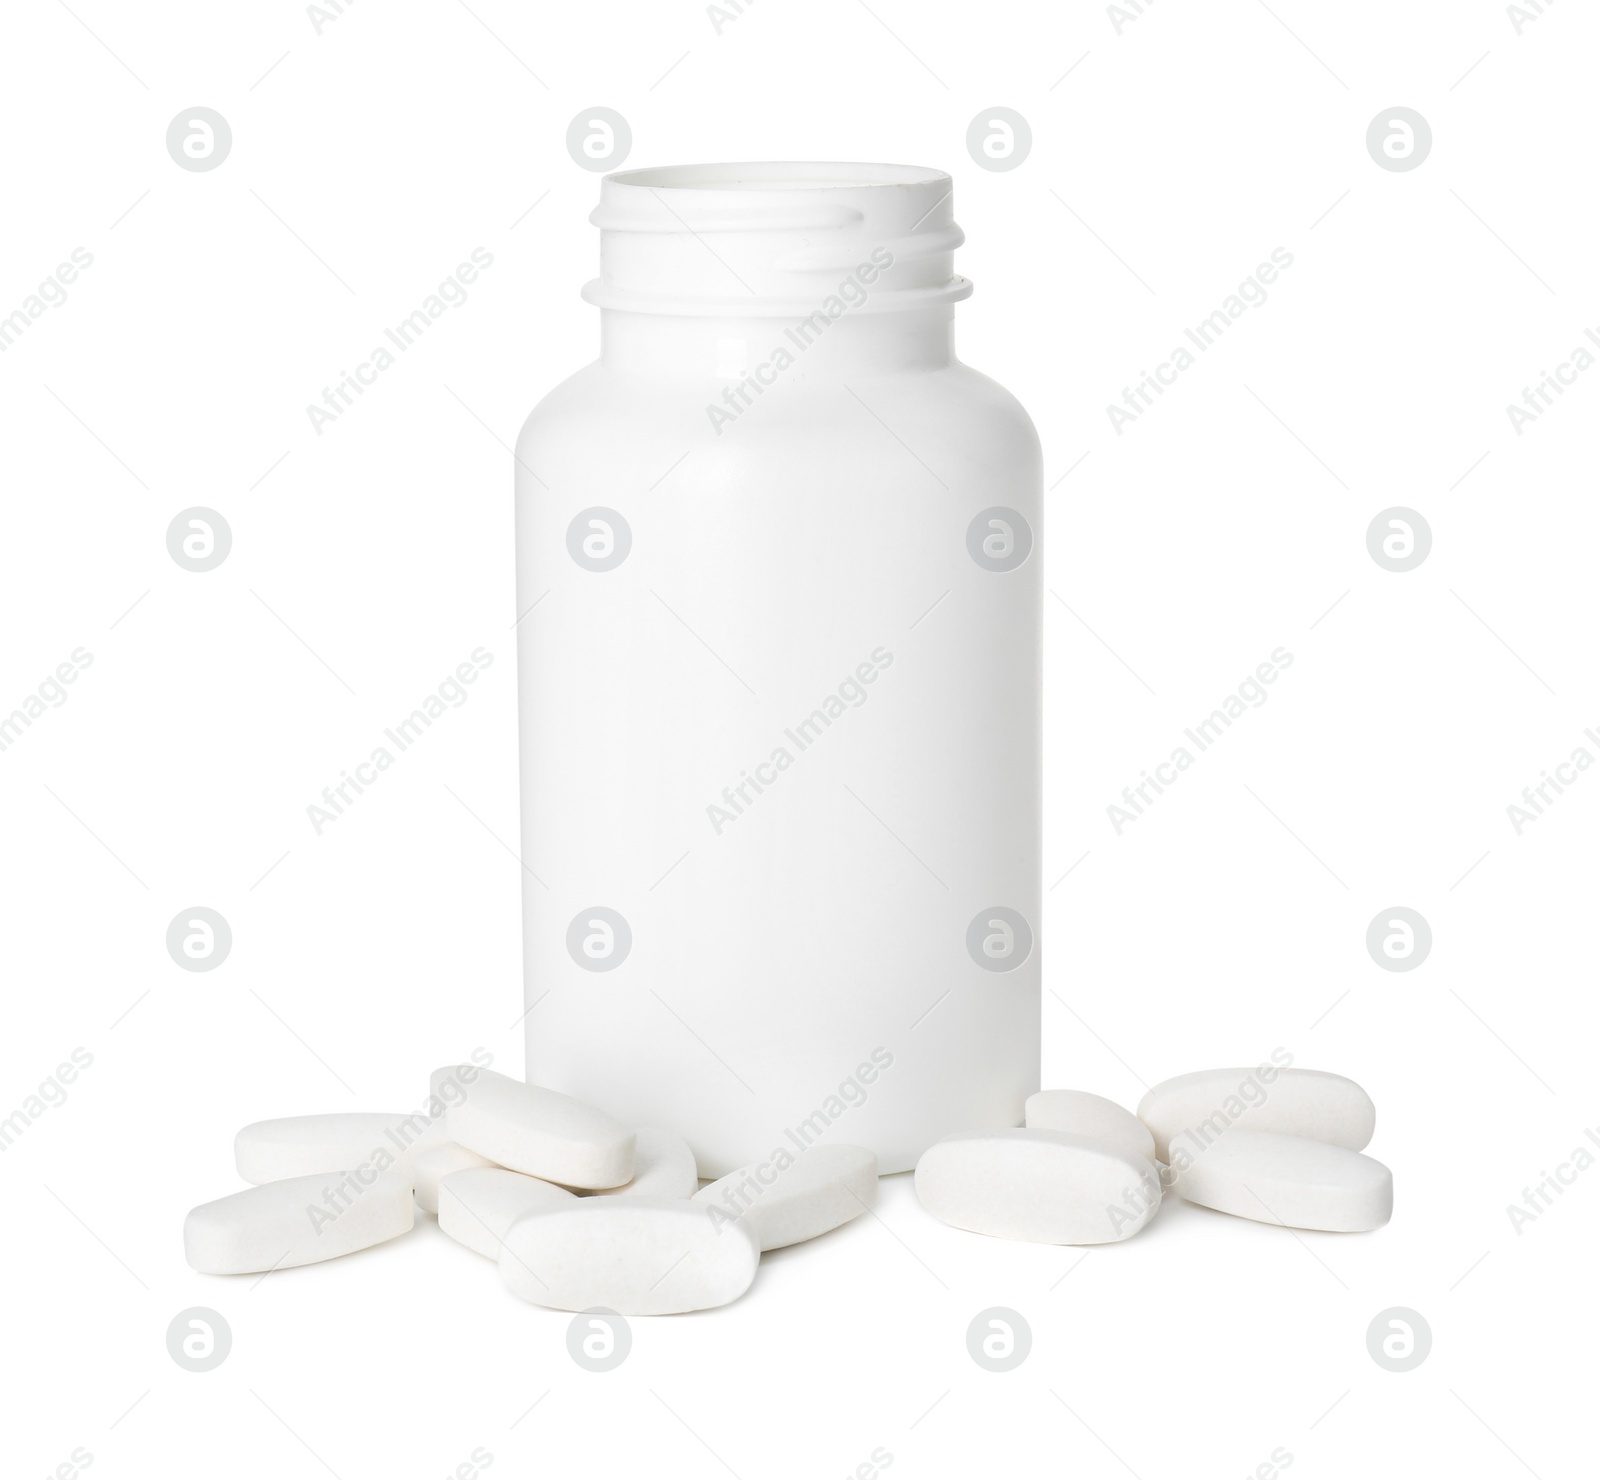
[(778, 567)]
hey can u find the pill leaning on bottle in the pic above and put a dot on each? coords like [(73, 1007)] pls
[(1292, 1181), (542, 1133), (637, 1256)]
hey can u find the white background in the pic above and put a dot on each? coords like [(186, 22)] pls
[(1168, 161)]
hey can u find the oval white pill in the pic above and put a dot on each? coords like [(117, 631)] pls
[(638, 1256), (663, 1166), (430, 1167), (299, 1145), (541, 1133), (478, 1206), (1290, 1180), (1091, 1116), (300, 1220), (782, 1204), (1189, 1113), (1047, 1187)]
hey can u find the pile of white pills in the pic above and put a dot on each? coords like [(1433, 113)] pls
[(578, 1210), (1274, 1144), (581, 1212)]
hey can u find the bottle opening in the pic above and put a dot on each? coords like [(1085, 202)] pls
[(775, 238)]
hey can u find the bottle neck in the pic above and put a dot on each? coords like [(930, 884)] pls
[(760, 272), (734, 349)]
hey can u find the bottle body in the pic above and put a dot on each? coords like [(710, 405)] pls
[(780, 735)]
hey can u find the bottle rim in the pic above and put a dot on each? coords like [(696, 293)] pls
[(774, 238), (778, 175)]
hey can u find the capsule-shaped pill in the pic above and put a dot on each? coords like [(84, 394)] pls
[(635, 1255), (790, 1198), (1291, 1181), (301, 1220), (541, 1133), (1188, 1113), (1046, 1187)]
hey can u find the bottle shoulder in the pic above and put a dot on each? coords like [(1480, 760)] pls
[(1001, 408), (600, 415), (577, 398)]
